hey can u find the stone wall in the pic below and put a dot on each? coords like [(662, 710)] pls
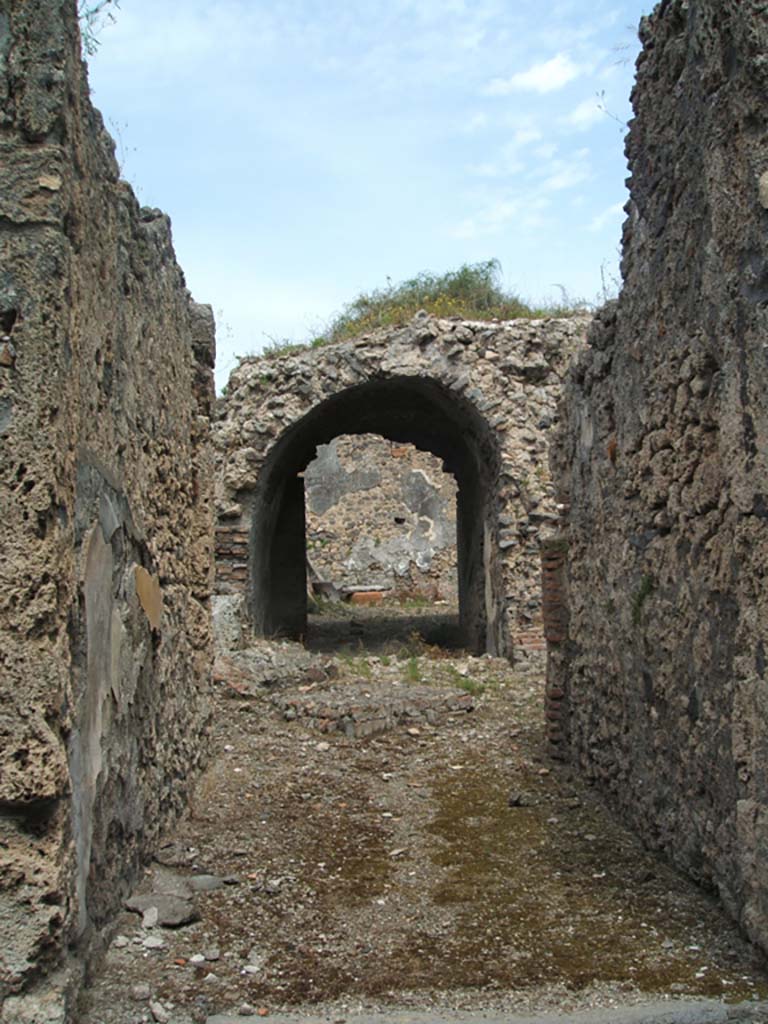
[(382, 516), (663, 458), (106, 526), (481, 397)]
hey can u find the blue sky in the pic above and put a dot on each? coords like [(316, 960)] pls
[(307, 150)]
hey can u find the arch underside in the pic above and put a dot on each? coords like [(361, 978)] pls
[(405, 410)]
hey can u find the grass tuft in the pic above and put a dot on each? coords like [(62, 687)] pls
[(473, 292)]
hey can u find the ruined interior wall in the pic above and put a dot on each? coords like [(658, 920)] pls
[(382, 515), (105, 532), (663, 457)]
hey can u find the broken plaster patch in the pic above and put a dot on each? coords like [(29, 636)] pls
[(51, 182), (150, 596)]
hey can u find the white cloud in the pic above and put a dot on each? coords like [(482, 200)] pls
[(475, 123), (602, 219), (522, 198), (525, 135), (567, 177), (547, 76), (508, 161), (485, 170), (526, 209), (546, 151), (489, 221), (182, 37), (565, 173), (586, 114), (609, 71)]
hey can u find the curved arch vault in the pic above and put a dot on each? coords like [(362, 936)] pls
[(405, 409)]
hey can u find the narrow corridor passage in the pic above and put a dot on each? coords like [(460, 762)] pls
[(386, 833)]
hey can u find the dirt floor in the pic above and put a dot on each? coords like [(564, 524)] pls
[(440, 863)]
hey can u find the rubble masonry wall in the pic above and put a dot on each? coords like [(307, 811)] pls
[(663, 459), (106, 524), (382, 515)]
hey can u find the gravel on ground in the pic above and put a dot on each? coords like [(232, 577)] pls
[(440, 864)]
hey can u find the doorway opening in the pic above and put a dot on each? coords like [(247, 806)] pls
[(401, 411), (381, 546)]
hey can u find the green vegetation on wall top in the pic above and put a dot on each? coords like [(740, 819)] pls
[(473, 292)]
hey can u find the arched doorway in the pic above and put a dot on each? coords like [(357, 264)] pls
[(417, 410)]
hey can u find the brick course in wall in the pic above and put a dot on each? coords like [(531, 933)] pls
[(231, 559), (555, 629)]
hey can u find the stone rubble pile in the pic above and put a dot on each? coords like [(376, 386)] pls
[(372, 709), (266, 666)]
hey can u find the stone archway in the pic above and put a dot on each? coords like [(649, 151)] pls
[(406, 409), (479, 396)]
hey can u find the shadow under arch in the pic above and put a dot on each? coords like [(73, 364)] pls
[(418, 410)]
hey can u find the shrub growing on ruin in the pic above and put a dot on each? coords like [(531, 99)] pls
[(473, 292)]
